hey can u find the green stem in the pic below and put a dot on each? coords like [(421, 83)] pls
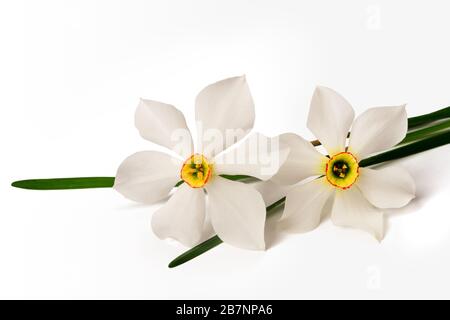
[(443, 113), (434, 141), (426, 132)]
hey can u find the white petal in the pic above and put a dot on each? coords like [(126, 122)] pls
[(270, 191), (330, 118), (225, 113), (237, 212), (302, 162), (378, 129), (351, 209), (165, 125), (147, 176), (391, 187), (258, 156), (182, 218), (304, 205)]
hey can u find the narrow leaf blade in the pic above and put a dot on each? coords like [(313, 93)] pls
[(441, 114), (195, 251), (65, 183)]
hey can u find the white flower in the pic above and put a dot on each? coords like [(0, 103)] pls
[(355, 194), (235, 210)]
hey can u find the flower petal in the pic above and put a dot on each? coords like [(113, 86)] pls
[(302, 162), (351, 209), (147, 176), (182, 218), (378, 129), (165, 125), (304, 205), (391, 187), (330, 117), (225, 113), (258, 156), (237, 212), (270, 191)]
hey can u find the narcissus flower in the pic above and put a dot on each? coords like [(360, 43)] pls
[(356, 195), (225, 114)]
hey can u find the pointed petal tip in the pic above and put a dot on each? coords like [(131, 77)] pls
[(379, 237), (321, 87), (402, 107), (242, 78)]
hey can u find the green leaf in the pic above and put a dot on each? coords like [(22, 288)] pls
[(428, 118), (237, 177), (426, 132), (65, 183), (179, 183), (196, 251)]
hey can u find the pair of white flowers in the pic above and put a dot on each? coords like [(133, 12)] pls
[(235, 210)]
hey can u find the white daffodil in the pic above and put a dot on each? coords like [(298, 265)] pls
[(235, 210), (356, 194)]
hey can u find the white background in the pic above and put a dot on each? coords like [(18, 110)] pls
[(71, 74)]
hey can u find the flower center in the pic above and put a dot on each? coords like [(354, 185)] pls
[(342, 170), (196, 171)]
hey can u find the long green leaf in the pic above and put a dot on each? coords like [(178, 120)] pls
[(443, 113), (65, 183), (434, 141), (421, 133), (237, 177)]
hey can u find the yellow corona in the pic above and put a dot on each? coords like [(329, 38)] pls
[(196, 171), (342, 170)]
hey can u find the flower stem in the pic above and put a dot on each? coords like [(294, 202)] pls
[(418, 134), (434, 141)]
